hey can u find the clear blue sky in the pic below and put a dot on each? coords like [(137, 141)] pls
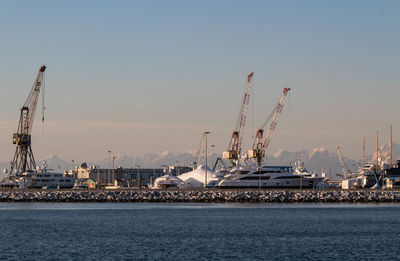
[(145, 76)]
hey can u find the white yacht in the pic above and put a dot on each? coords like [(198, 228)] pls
[(168, 181), (269, 177), (39, 180), (45, 180)]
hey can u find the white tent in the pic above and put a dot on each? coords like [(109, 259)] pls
[(196, 178)]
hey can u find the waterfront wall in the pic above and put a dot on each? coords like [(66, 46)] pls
[(194, 196)]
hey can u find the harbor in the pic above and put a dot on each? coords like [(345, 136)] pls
[(199, 130), (238, 168)]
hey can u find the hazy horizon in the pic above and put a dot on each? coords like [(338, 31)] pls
[(143, 77)]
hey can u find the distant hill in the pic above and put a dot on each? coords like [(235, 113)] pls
[(317, 159)]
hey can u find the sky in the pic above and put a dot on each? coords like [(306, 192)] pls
[(139, 77)]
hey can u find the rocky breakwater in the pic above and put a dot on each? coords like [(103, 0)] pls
[(192, 196)]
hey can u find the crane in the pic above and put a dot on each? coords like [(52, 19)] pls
[(198, 156), (346, 173), (235, 145), (259, 147), (23, 158)]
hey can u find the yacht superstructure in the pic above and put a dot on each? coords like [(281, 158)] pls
[(45, 179), (268, 177)]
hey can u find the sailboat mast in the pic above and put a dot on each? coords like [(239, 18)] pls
[(391, 148), (377, 150), (363, 164)]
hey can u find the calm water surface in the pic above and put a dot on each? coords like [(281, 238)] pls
[(126, 231)]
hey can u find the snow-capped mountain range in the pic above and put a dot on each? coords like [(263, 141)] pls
[(317, 159)]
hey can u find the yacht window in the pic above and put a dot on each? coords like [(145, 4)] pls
[(242, 172), (256, 178), (288, 177), (267, 171)]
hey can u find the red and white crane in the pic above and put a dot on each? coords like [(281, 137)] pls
[(235, 145), (260, 146)]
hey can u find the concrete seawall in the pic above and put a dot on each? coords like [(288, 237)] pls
[(193, 196)]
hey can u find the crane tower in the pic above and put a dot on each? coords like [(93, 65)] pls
[(23, 158)]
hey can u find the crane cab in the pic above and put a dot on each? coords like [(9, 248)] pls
[(21, 139), (228, 154)]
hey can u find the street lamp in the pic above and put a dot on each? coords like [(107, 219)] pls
[(205, 178), (113, 169), (109, 163)]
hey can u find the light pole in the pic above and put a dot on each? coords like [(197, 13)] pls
[(113, 169), (73, 173), (205, 178), (109, 163)]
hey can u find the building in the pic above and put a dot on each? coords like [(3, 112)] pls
[(125, 177)]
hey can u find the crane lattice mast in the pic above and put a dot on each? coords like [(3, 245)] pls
[(259, 147), (23, 158), (235, 145)]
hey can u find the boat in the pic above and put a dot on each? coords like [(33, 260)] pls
[(168, 181), (45, 180), (269, 177)]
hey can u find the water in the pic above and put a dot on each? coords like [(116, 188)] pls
[(125, 231)]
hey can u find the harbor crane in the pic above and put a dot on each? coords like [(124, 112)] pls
[(198, 156), (23, 158), (260, 146), (346, 172), (235, 145)]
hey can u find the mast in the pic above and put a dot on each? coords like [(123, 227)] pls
[(377, 150), (391, 148), (363, 164)]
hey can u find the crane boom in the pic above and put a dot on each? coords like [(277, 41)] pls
[(32, 100), (198, 157), (346, 173), (235, 145), (259, 147), (23, 158), (243, 111)]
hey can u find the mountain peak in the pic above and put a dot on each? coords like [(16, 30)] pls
[(316, 150), (278, 153), (164, 153)]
